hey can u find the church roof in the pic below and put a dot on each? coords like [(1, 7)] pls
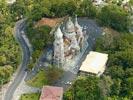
[(58, 33)]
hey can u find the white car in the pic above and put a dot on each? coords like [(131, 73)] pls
[(68, 83)]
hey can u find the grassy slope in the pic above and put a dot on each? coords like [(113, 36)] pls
[(32, 96), (39, 80)]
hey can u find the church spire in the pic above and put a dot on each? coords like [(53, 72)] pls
[(76, 20), (58, 47), (58, 33)]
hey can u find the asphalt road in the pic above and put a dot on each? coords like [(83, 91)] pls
[(25, 59)]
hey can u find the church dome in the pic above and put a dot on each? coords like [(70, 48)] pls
[(70, 26), (58, 33)]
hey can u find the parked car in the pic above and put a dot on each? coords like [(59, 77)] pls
[(68, 83)]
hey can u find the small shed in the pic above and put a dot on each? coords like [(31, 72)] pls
[(51, 93)]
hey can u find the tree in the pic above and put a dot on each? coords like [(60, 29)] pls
[(53, 74), (115, 17), (36, 13), (129, 72), (130, 87), (5, 73), (84, 88), (105, 43), (105, 85), (2, 60), (40, 37), (63, 9), (87, 9), (17, 10), (116, 87), (115, 72), (123, 58), (126, 88)]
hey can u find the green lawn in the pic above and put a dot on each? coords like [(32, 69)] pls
[(39, 80), (31, 96)]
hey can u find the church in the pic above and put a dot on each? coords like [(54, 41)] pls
[(68, 41)]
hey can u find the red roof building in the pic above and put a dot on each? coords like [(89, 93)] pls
[(51, 93)]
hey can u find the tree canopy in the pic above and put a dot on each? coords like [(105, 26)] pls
[(9, 49), (115, 17), (120, 64), (84, 88)]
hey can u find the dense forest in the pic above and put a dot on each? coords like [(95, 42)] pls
[(112, 15), (10, 54), (120, 64)]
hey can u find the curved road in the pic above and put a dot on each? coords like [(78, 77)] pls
[(25, 59)]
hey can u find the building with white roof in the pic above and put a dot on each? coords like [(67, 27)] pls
[(94, 63)]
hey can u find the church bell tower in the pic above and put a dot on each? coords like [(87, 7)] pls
[(58, 47)]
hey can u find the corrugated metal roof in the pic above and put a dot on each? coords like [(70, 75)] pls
[(94, 63)]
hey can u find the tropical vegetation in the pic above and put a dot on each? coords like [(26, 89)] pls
[(10, 54)]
